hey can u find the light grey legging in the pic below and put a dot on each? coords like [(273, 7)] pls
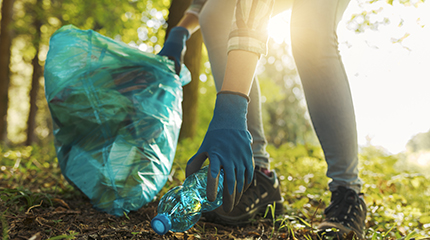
[(315, 49)]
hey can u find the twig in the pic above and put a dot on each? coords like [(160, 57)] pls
[(28, 211), (315, 213)]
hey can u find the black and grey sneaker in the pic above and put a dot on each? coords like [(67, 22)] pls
[(263, 191), (346, 214)]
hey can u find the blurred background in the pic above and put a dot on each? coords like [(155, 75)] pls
[(384, 45), (384, 48)]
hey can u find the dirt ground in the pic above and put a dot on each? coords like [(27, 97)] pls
[(75, 217)]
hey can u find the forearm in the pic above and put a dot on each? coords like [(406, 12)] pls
[(239, 71), (247, 41)]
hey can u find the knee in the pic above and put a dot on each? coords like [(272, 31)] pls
[(207, 19), (216, 15), (313, 46), (307, 40)]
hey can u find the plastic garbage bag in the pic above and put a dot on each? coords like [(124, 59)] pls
[(116, 113)]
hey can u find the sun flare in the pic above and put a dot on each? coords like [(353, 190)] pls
[(377, 62), (279, 27)]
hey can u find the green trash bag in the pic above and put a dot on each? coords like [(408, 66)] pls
[(116, 113)]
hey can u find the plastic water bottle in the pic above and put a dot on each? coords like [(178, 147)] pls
[(181, 207)]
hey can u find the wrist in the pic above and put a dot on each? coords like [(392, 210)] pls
[(234, 93), (178, 33), (230, 111), (190, 22)]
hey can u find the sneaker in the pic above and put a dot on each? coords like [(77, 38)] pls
[(346, 214), (263, 191)]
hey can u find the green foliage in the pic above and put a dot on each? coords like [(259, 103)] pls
[(404, 2), (360, 22), (419, 142), (369, 19), (22, 197), (4, 225), (397, 200), (271, 208), (138, 23), (71, 236), (285, 114), (31, 168)]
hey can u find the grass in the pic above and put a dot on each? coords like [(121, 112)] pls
[(397, 200), (4, 225)]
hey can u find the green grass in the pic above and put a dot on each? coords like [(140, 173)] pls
[(397, 200)]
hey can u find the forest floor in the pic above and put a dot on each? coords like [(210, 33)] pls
[(74, 217), (37, 203)]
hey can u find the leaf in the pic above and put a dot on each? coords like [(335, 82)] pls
[(63, 237), (304, 222), (62, 202)]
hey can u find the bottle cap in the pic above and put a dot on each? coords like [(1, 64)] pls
[(161, 224)]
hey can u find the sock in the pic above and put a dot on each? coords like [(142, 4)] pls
[(265, 171)]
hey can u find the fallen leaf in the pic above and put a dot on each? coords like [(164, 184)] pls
[(254, 233), (36, 236), (62, 202)]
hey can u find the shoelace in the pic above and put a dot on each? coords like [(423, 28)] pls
[(344, 209), (254, 194)]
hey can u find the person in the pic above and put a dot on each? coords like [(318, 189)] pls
[(235, 34)]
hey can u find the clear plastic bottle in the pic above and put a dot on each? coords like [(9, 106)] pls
[(181, 207)]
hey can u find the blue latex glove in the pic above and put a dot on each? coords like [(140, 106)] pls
[(227, 144), (174, 46)]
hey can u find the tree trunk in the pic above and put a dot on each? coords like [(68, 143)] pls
[(192, 60), (5, 46), (37, 74), (31, 121)]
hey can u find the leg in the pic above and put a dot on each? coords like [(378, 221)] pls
[(326, 87), (315, 50), (215, 30)]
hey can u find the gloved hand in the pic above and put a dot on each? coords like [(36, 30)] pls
[(227, 144), (174, 46)]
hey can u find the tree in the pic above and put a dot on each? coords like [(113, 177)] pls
[(37, 73), (5, 46), (192, 60), (283, 104), (419, 142), (35, 22)]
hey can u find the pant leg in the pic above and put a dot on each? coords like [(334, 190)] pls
[(328, 96), (215, 21)]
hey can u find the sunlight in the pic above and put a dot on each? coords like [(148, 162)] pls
[(388, 77), (421, 158), (279, 27), (386, 67), (424, 159)]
